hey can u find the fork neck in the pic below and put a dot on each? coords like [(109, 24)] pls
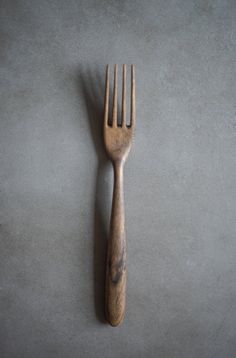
[(118, 166)]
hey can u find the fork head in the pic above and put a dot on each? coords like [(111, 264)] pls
[(118, 137)]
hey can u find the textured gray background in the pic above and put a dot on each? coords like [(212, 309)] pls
[(56, 182)]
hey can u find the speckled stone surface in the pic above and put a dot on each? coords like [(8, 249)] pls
[(56, 182)]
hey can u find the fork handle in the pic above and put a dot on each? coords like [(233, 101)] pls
[(116, 254)]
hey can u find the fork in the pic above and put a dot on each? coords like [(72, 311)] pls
[(118, 140)]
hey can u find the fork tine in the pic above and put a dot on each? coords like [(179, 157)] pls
[(132, 110), (123, 120), (106, 104), (114, 112)]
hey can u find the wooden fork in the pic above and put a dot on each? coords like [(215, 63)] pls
[(118, 140)]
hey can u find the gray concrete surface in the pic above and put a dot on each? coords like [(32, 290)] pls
[(56, 182)]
